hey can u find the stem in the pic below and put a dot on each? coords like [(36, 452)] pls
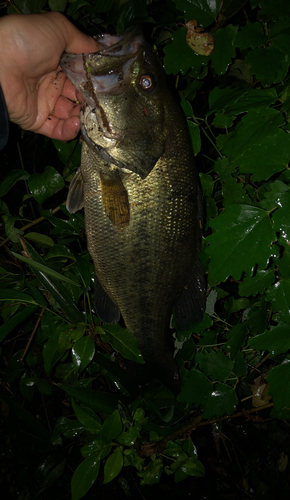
[(31, 224)]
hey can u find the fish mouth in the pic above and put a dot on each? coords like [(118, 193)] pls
[(106, 71)]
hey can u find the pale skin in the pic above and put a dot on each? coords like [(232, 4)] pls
[(38, 95)]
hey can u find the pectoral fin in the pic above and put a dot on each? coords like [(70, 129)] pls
[(106, 309), (115, 201), (75, 198), (190, 306)]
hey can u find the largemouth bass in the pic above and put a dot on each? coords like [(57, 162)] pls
[(139, 188)]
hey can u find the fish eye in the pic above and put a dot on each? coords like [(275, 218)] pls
[(146, 82)]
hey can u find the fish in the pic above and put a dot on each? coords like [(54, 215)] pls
[(140, 190)]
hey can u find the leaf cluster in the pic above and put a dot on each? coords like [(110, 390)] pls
[(53, 346)]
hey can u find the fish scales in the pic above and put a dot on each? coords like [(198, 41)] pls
[(145, 251)]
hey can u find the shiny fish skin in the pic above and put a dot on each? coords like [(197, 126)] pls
[(142, 202)]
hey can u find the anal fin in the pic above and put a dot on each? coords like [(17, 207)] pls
[(106, 309), (75, 198), (191, 304)]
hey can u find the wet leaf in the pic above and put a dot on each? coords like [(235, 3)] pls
[(18, 319), (197, 389), (224, 50), (41, 239), (85, 476), (280, 376), (112, 427), (179, 57), (122, 341), (205, 11), (215, 365), (280, 296), (113, 465), (43, 268), (96, 400), (193, 468), (45, 184), (276, 340), (222, 400), (87, 418), (254, 284), (152, 473), (265, 64), (83, 352), (57, 5), (251, 35), (242, 239), (10, 179), (237, 339)]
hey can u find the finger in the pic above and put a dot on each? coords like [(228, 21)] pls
[(69, 90), (64, 108), (63, 130)]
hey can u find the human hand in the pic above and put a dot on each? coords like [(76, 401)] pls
[(38, 95)]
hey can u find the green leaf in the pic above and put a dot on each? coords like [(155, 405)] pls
[(11, 231), (85, 476), (41, 239), (250, 35), (27, 418), (224, 50), (74, 7), (197, 389), (96, 400), (254, 284), (122, 341), (193, 467), (243, 239), (17, 319), (132, 458), (58, 291), (59, 251), (276, 340), (254, 129), (223, 400), (180, 57), (195, 136), (87, 418), (83, 352), (265, 64), (94, 446), (57, 5), (220, 99), (237, 339), (113, 465), (280, 295), (10, 179), (112, 427), (281, 219), (215, 364), (206, 11), (43, 268), (152, 473), (131, 12), (128, 437), (45, 184), (279, 381), (268, 158), (14, 295)]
